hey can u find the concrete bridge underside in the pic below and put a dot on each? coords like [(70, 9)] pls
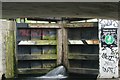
[(107, 10)]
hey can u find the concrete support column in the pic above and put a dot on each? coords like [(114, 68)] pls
[(108, 49), (3, 30), (6, 48), (0, 40), (1, 67)]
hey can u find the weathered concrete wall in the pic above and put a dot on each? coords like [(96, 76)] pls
[(10, 50), (5, 28), (1, 50), (0, 40)]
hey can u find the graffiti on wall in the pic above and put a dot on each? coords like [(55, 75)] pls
[(36, 32), (28, 32), (105, 23), (110, 59), (108, 56)]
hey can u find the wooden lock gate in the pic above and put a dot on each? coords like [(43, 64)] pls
[(41, 47)]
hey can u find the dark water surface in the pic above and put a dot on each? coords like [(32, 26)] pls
[(58, 73), (70, 77)]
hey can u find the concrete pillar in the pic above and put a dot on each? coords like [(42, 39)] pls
[(0, 40), (108, 49), (1, 67), (5, 27), (3, 30)]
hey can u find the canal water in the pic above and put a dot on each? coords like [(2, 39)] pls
[(58, 73), (71, 76)]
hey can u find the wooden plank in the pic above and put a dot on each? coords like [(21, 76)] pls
[(45, 19), (15, 48), (83, 70), (10, 51), (38, 42), (72, 42), (33, 70), (43, 25), (37, 57), (65, 48), (81, 24), (83, 33), (75, 19), (59, 47), (21, 25), (83, 56)]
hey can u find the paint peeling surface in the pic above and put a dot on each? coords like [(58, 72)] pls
[(108, 54)]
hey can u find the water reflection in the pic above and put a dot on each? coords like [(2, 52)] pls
[(38, 79), (58, 73), (70, 77)]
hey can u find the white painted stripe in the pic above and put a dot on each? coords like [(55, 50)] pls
[(75, 42)]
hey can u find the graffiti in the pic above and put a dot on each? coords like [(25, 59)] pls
[(24, 32), (106, 63), (108, 30), (110, 54), (114, 51), (34, 32), (109, 60), (105, 23), (109, 57), (109, 69)]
